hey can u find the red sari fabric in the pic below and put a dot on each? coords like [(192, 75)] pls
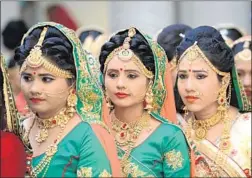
[(59, 14), (13, 156), (21, 104)]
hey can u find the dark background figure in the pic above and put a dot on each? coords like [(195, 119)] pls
[(93, 33), (169, 38), (13, 33), (12, 37), (57, 13), (230, 34)]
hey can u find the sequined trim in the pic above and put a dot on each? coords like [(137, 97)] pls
[(174, 159), (105, 174), (131, 169), (84, 172)]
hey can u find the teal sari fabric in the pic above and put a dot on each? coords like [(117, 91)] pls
[(79, 154), (164, 153)]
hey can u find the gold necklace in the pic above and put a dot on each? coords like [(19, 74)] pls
[(45, 124), (50, 151), (201, 127), (225, 143), (127, 134)]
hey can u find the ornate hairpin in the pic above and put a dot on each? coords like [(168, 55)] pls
[(125, 54), (36, 60), (194, 53)]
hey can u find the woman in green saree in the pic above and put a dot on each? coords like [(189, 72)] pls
[(242, 54), (66, 134), (139, 93)]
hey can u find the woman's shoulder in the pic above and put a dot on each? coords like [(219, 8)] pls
[(244, 117), (168, 128), (243, 122), (82, 128), (88, 129)]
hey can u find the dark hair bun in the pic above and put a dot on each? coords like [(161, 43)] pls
[(170, 38), (13, 33), (55, 46), (212, 45)]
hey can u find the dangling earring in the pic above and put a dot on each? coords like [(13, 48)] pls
[(149, 98), (222, 96), (108, 101), (221, 101), (186, 112), (71, 103)]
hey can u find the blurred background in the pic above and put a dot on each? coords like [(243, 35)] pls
[(111, 16)]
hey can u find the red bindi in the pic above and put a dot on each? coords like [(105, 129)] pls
[(121, 69), (190, 70), (34, 73)]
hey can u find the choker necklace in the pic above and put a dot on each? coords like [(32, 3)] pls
[(201, 127), (52, 149), (224, 144), (129, 132), (44, 124)]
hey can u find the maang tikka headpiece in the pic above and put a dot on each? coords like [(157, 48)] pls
[(36, 60), (124, 53)]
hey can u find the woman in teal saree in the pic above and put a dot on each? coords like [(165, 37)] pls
[(66, 133), (139, 93)]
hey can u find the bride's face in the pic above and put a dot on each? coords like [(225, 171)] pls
[(125, 84)]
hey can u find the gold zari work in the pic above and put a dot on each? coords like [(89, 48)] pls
[(84, 172), (174, 159)]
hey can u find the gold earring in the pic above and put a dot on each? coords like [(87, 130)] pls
[(186, 112), (109, 103), (108, 100), (149, 98), (71, 102), (222, 96)]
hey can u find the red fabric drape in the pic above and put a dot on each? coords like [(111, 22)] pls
[(13, 156)]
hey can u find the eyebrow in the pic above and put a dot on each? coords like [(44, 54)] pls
[(195, 71), (41, 75), (127, 70), (25, 73), (46, 75)]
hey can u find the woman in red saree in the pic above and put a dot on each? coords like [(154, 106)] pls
[(12, 147)]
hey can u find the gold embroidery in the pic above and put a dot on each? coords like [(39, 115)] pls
[(133, 170), (174, 159), (84, 172), (105, 174)]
